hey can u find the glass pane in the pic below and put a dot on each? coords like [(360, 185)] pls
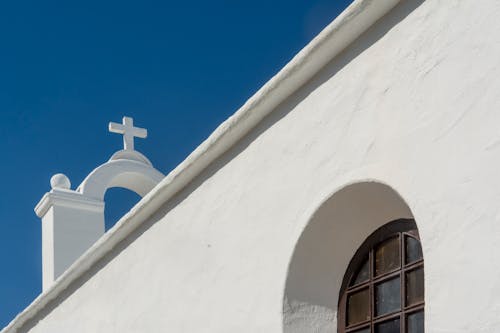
[(415, 322), (387, 256), (415, 286), (363, 274), (358, 307), (391, 326), (413, 250), (363, 330), (388, 296)]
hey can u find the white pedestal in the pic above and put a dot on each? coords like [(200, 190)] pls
[(71, 224)]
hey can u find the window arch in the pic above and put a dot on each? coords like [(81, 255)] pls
[(383, 288)]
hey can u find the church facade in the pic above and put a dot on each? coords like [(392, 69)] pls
[(357, 191)]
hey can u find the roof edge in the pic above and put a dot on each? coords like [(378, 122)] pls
[(339, 34)]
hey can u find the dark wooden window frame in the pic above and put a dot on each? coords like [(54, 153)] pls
[(400, 228)]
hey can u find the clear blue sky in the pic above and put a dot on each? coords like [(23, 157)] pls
[(67, 68)]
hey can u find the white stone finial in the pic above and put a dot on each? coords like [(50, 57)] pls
[(129, 132), (60, 181)]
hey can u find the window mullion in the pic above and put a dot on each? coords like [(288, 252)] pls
[(372, 296), (402, 317)]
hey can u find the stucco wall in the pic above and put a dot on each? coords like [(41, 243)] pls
[(413, 104)]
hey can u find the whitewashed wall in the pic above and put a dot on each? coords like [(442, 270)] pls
[(413, 104)]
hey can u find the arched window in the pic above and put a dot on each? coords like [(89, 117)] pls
[(383, 288)]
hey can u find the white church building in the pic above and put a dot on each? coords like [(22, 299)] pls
[(357, 191)]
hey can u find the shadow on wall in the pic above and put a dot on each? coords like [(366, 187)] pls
[(325, 248)]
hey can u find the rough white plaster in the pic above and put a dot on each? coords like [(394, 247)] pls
[(413, 104)]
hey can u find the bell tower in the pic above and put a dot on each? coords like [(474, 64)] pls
[(73, 220)]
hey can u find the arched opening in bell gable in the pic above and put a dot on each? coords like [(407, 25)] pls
[(118, 201)]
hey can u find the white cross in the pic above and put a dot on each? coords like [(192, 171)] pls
[(129, 132)]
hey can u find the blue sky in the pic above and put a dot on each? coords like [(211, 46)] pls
[(67, 68)]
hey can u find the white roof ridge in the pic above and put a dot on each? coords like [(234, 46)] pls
[(339, 34)]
